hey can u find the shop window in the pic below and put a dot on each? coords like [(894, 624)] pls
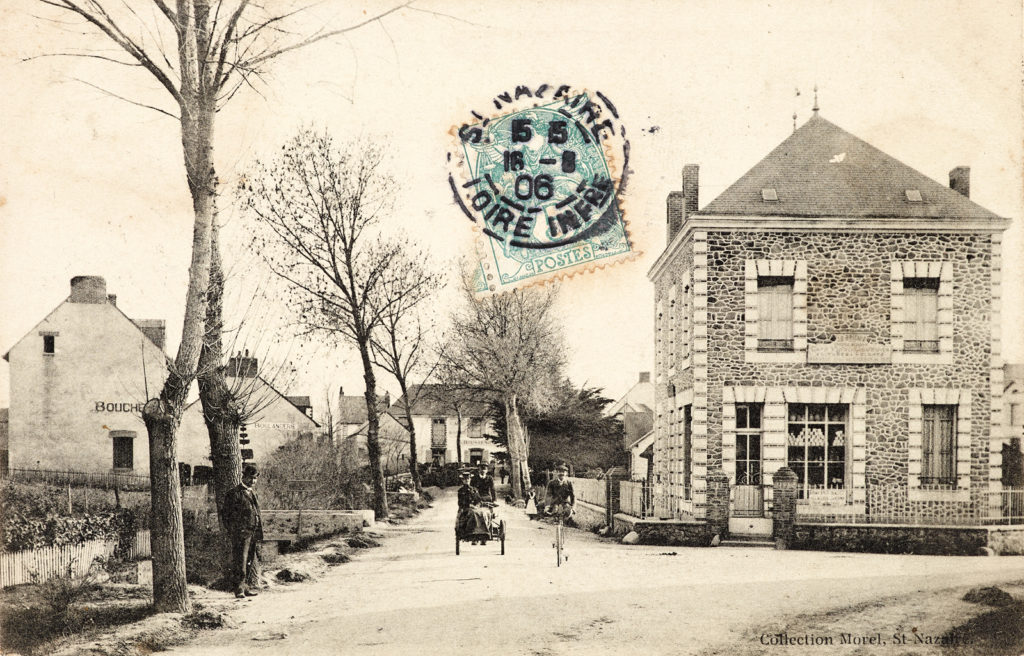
[(938, 445), (49, 344), (921, 311), (816, 446), (775, 313), (748, 443), (124, 453)]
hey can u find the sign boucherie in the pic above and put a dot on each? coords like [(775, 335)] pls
[(118, 406)]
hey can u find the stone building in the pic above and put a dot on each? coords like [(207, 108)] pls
[(444, 422), (79, 380), (836, 312)]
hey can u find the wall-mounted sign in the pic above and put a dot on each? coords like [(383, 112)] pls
[(284, 425), (849, 348), (118, 406)]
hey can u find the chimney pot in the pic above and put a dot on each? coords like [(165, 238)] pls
[(88, 289), (645, 376), (112, 299), (960, 180)]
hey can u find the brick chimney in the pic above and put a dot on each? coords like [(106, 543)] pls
[(112, 299), (88, 289), (645, 376), (155, 330), (681, 204), (960, 180), (242, 366)]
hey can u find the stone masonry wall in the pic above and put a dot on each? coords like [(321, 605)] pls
[(848, 289)]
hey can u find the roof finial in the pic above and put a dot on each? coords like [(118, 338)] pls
[(815, 108), (794, 121)]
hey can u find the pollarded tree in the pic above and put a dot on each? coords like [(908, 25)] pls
[(317, 210), (508, 345), (201, 52)]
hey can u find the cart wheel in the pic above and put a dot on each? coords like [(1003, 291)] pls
[(456, 545), (501, 535)]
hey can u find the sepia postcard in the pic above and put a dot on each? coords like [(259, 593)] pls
[(537, 328)]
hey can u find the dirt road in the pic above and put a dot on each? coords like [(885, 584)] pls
[(415, 596)]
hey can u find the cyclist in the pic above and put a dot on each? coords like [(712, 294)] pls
[(560, 495)]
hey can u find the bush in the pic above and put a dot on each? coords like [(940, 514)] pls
[(314, 476)]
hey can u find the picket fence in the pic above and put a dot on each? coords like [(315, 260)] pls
[(44, 563)]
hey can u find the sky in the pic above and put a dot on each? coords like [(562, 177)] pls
[(90, 185)]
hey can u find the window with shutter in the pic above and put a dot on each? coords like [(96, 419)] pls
[(775, 314), (439, 432), (124, 456), (921, 311), (938, 464)]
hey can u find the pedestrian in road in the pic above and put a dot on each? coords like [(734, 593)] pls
[(245, 529), (484, 484), (503, 473)]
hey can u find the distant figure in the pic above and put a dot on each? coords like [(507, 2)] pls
[(503, 473), (245, 528), (484, 484)]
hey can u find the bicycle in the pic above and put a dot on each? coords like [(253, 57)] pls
[(562, 512)]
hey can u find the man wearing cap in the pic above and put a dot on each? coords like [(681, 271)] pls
[(484, 484), (560, 494), (245, 529), (471, 520)]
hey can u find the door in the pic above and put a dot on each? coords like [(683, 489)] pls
[(748, 495)]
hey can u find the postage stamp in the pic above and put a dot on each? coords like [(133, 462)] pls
[(542, 181)]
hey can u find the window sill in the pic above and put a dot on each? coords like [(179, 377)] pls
[(951, 494), (776, 356), (921, 357)]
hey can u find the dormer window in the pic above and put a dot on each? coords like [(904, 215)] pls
[(914, 196), (769, 196)]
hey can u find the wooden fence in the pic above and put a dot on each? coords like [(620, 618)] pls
[(106, 481), (591, 490), (44, 563)]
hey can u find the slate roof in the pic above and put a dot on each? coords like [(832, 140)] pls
[(352, 409), (822, 170), (430, 399), (635, 425)]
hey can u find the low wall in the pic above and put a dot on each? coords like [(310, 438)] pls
[(288, 525), (674, 533), (588, 516), (891, 539)]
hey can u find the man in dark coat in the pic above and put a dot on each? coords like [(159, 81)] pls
[(471, 519), (245, 529), (484, 484), (560, 495)]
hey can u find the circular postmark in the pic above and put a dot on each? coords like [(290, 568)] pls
[(541, 176)]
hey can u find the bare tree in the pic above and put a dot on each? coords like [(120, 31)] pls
[(400, 343), (201, 52), (509, 345), (319, 208)]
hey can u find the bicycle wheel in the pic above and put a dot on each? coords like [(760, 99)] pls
[(558, 544)]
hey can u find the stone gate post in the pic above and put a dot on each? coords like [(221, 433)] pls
[(784, 516), (718, 502)]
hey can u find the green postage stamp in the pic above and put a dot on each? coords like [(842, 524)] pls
[(542, 182)]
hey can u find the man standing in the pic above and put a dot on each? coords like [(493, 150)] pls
[(560, 495), (245, 528), (484, 484)]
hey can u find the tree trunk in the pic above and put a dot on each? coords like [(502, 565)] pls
[(458, 435), (220, 408), (414, 467), (380, 495), (517, 453), (163, 415)]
